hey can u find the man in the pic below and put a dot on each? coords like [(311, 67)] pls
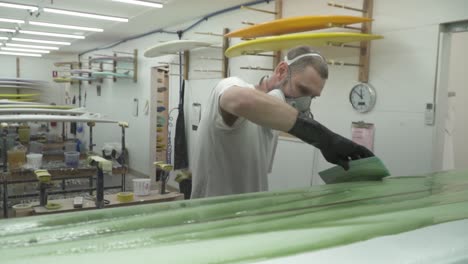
[(237, 134)]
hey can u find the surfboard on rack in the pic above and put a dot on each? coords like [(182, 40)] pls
[(20, 84), (99, 59), (17, 83), (55, 118), (173, 47), (82, 78), (295, 25), (284, 42), (8, 102), (25, 96), (64, 80), (110, 74), (21, 80), (6, 86), (21, 110), (5, 103)]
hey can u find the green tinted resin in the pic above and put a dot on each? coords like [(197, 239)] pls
[(239, 228)]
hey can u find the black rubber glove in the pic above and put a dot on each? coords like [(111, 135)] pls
[(335, 148)]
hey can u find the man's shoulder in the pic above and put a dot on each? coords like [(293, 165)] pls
[(233, 81)]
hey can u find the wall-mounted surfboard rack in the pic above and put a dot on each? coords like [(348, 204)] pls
[(278, 13), (209, 34), (364, 56), (224, 60), (248, 23), (114, 60)]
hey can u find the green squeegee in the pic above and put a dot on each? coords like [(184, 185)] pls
[(368, 169)]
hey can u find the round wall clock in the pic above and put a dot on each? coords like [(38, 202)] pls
[(363, 97)]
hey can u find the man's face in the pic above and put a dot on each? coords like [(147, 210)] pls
[(305, 83)]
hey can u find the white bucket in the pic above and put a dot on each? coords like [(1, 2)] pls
[(70, 146), (22, 210), (141, 187), (34, 160)]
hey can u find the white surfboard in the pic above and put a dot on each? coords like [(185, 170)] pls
[(5, 102), (55, 118), (22, 110), (2, 82), (174, 46), (111, 58)]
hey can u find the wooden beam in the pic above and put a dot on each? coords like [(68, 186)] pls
[(364, 58), (225, 69), (17, 67), (278, 15), (114, 67), (186, 64), (135, 65)]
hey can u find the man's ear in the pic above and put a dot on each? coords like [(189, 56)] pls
[(281, 71)]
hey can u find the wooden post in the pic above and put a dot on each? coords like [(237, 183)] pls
[(364, 58), (135, 65), (114, 67), (186, 64), (17, 67), (278, 15), (225, 69), (17, 72)]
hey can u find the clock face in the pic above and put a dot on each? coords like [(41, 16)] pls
[(362, 97)]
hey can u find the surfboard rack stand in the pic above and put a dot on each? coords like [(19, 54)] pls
[(278, 13), (364, 56), (210, 34), (113, 60), (248, 23)]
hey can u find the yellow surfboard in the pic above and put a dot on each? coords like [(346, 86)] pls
[(284, 42), (26, 96), (295, 25), (25, 100)]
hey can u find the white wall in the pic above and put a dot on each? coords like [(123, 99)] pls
[(458, 83)]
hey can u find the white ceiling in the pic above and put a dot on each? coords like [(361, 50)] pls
[(142, 19)]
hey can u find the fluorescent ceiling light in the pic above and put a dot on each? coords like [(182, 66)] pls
[(41, 41), (20, 54), (7, 30), (31, 46), (5, 38), (65, 26), (8, 20), (80, 14), (51, 34), (139, 2), (27, 7), (26, 50)]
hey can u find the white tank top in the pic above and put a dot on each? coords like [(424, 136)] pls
[(231, 159)]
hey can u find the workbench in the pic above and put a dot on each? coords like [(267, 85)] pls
[(67, 204)]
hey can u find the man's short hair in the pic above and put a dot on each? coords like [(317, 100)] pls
[(318, 62)]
